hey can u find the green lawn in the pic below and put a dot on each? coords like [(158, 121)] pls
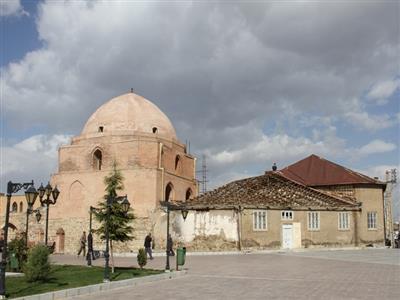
[(65, 277)]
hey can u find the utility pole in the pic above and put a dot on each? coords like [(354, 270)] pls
[(391, 180)]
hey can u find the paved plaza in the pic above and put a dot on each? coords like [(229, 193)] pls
[(341, 274)]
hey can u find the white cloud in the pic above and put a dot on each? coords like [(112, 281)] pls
[(11, 8), (364, 121), (33, 158), (265, 149), (221, 65), (217, 70), (376, 146), (383, 90)]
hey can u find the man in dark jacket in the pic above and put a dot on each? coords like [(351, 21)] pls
[(170, 246), (147, 245)]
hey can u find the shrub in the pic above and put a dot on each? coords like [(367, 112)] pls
[(18, 246), (37, 267), (142, 258)]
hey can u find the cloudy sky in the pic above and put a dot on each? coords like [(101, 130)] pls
[(248, 83)]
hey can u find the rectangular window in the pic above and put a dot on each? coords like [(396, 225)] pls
[(371, 216), (343, 221), (313, 220), (260, 220), (287, 215)]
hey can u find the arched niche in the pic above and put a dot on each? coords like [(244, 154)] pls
[(97, 159), (169, 192), (177, 163), (188, 194), (14, 207), (60, 240)]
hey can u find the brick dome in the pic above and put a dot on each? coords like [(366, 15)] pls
[(129, 112)]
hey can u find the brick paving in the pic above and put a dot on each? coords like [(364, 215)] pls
[(356, 274)]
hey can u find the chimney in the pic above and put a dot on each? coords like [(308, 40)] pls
[(274, 167)]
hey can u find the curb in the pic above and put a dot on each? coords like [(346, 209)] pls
[(249, 251), (90, 289)]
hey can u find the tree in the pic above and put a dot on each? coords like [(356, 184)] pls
[(142, 258), (119, 229), (37, 267)]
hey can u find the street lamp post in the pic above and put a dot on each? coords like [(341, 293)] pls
[(12, 188), (167, 268), (88, 254), (184, 212), (48, 191), (125, 207)]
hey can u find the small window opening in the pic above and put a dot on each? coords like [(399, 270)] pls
[(188, 194), (21, 207), (177, 162), (101, 128), (97, 159), (14, 207), (169, 192), (155, 129)]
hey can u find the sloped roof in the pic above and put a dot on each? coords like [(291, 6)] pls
[(317, 171), (272, 191)]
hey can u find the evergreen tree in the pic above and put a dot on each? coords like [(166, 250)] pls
[(119, 228)]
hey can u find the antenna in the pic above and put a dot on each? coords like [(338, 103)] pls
[(203, 172)]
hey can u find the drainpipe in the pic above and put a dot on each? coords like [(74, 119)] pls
[(356, 220), (239, 227)]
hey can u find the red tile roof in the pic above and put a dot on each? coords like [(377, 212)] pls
[(317, 171)]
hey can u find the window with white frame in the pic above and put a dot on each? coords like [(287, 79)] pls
[(260, 220), (343, 221), (313, 220), (287, 215), (371, 216)]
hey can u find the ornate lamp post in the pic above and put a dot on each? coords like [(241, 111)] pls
[(88, 254), (12, 188), (125, 207), (48, 191), (184, 212), (30, 195)]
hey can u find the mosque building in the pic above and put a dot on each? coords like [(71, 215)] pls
[(135, 134)]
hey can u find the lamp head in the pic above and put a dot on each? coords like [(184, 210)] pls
[(31, 195), (41, 191), (184, 213), (125, 204), (48, 189), (38, 216), (55, 194)]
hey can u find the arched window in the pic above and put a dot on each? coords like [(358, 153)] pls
[(21, 206), (97, 159), (177, 162), (169, 192), (14, 207), (189, 194)]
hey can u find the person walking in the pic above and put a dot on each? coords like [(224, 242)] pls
[(148, 245), (170, 246), (82, 244), (90, 245)]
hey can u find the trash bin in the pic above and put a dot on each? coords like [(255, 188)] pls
[(180, 256), (14, 264)]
